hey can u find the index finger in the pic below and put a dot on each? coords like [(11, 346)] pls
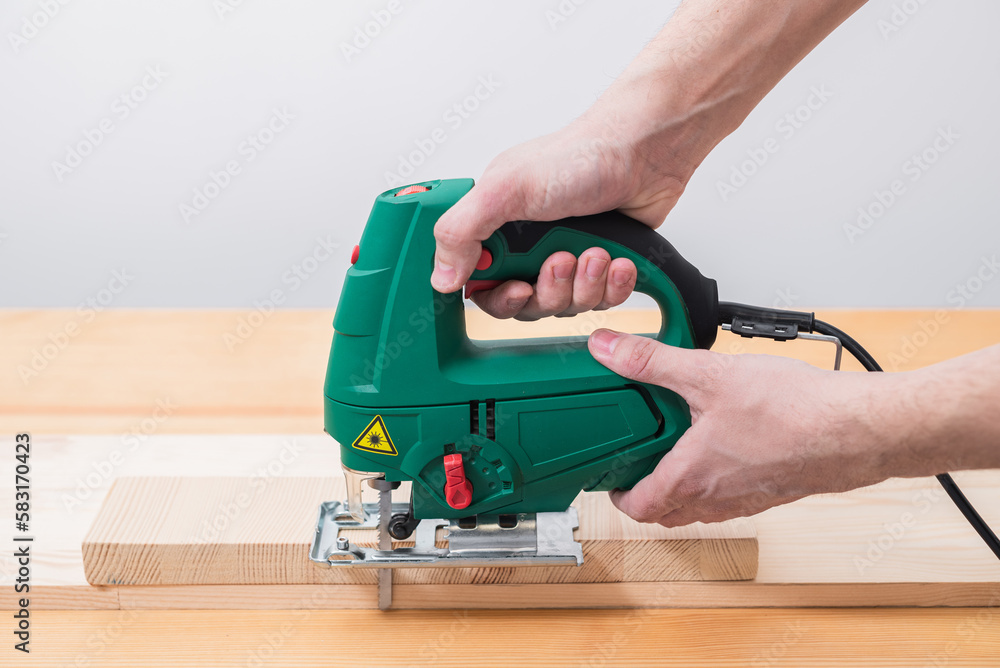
[(460, 231)]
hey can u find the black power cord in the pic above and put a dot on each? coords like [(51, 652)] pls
[(754, 321)]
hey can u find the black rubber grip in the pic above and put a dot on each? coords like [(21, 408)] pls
[(700, 294)]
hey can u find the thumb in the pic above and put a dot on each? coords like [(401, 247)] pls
[(647, 361), (462, 228)]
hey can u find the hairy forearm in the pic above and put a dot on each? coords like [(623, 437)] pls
[(944, 417), (700, 77)]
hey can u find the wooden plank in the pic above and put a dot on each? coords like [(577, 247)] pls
[(67, 597), (553, 596), (107, 380), (460, 638), (110, 376), (808, 549), (246, 531)]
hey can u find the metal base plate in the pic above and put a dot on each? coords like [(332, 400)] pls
[(539, 539)]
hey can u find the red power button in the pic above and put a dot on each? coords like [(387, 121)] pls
[(485, 260), (457, 489)]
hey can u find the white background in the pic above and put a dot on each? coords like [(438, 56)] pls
[(779, 239)]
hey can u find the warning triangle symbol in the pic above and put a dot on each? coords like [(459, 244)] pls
[(375, 438)]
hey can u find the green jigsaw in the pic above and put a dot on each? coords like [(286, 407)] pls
[(496, 438)]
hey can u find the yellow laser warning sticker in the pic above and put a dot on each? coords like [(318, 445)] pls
[(375, 438)]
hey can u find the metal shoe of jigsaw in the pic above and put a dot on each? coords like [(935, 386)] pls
[(497, 438)]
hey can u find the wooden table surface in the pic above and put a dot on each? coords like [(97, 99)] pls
[(225, 371)]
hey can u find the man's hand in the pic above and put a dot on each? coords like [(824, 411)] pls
[(584, 168), (590, 166), (765, 431), (636, 148), (566, 286)]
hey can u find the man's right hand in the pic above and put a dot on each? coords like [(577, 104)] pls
[(636, 148), (585, 168)]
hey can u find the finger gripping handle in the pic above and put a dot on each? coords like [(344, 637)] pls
[(688, 300)]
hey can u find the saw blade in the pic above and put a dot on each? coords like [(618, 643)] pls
[(384, 541)]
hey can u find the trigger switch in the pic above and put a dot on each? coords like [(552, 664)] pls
[(485, 260)]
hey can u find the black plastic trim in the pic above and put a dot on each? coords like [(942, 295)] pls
[(700, 294)]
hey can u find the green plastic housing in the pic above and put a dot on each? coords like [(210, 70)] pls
[(536, 421)]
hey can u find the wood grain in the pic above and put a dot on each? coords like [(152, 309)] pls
[(817, 551), (108, 380), (649, 595), (111, 376), (461, 638), (242, 531)]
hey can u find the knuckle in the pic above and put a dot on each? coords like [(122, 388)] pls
[(596, 253), (448, 236), (582, 304), (561, 256), (500, 190), (679, 518), (638, 358), (691, 488), (644, 510), (493, 308), (556, 301), (714, 368), (614, 297)]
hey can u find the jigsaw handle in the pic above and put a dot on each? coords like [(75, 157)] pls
[(688, 301)]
